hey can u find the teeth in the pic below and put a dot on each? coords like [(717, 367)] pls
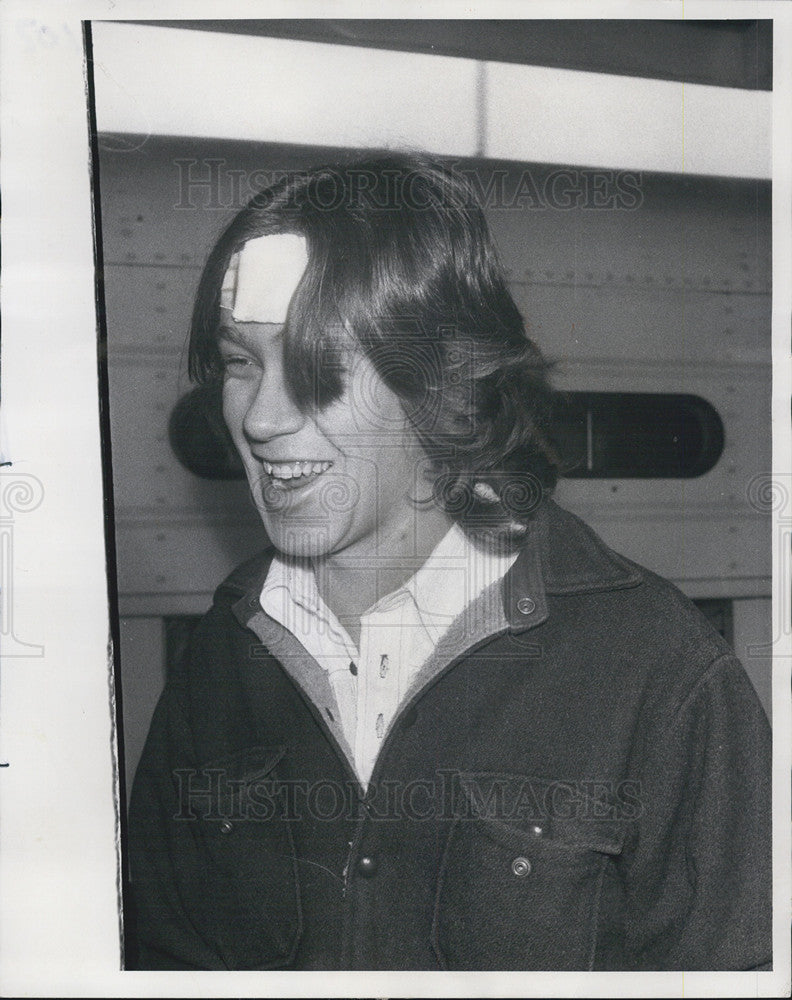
[(293, 470)]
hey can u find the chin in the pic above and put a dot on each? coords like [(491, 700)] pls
[(307, 542)]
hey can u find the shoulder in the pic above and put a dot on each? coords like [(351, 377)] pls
[(622, 611), (576, 561), (207, 666), (223, 623)]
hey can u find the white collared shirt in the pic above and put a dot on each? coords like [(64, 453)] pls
[(397, 634)]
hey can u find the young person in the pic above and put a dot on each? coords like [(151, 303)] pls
[(438, 724)]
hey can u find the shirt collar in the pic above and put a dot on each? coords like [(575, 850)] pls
[(289, 589), (455, 573), (560, 555)]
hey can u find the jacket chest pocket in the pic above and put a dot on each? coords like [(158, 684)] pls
[(522, 894), (244, 898)]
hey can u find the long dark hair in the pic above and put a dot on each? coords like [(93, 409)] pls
[(400, 259)]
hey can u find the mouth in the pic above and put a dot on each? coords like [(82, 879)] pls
[(293, 475)]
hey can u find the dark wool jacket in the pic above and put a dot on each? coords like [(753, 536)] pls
[(583, 783)]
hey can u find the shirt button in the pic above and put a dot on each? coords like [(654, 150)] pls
[(536, 830), (521, 867), (226, 826), (526, 606), (367, 866)]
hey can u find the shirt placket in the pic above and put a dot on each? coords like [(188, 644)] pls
[(382, 635), (344, 681)]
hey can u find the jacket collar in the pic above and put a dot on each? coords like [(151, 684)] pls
[(560, 555)]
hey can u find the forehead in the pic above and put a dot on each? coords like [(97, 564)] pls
[(249, 334), (262, 276), (340, 352), (336, 351), (336, 346)]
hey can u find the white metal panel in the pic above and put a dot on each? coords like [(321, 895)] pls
[(181, 555), (253, 87), (646, 323), (546, 115), (170, 81), (148, 311), (707, 528), (642, 231)]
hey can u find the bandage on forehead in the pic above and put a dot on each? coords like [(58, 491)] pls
[(262, 278)]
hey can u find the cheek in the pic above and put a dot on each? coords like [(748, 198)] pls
[(235, 407)]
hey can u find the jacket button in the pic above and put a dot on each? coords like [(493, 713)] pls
[(526, 606), (536, 830), (367, 866), (521, 867), (226, 826)]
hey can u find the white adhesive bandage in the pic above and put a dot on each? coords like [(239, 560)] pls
[(262, 278)]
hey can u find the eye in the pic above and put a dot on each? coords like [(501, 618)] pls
[(236, 361), (237, 365)]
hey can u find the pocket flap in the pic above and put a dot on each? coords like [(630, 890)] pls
[(239, 786), (247, 765), (516, 810), (239, 883)]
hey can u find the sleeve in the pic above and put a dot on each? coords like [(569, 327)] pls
[(699, 880), (165, 854)]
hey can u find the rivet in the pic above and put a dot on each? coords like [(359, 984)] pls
[(521, 867), (526, 606)]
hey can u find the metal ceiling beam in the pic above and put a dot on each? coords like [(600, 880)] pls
[(719, 53)]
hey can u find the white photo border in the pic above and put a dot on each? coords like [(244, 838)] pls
[(59, 819)]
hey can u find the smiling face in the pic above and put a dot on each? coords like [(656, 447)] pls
[(342, 479)]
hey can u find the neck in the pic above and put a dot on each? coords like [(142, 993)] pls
[(353, 580)]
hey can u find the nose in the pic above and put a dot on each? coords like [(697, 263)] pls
[(271, 410)]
